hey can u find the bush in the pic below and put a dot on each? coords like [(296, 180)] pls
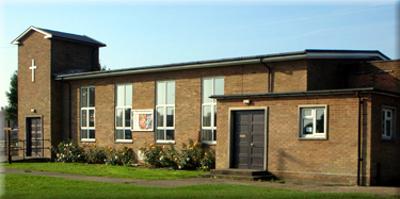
[(196, 156), (95, 155), (191, 156), (69, 152), (125, 156)]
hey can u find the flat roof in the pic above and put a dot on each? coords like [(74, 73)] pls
[(267, 58), (328, 92)]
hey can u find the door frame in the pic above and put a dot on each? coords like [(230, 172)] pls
[(231, 128), (27, 117)]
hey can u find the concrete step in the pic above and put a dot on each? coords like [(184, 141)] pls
[(242, 174)]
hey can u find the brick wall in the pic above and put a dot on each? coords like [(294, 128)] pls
[(187, 100), (34, 95), (379, 74), (385, 153), (333, 160)]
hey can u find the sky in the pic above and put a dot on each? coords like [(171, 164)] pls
[(142, 33)]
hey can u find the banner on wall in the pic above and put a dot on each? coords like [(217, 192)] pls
[(143, 119)]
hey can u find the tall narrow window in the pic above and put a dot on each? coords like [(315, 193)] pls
[(165, 131), (388, 115), (88, 113), (123, 110), (211, 86), (313, 122)]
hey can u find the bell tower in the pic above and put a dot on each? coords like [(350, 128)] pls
[(43, 54)]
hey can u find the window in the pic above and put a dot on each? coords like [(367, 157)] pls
[(211, 86), (313, 121), (388, 118), (123, 110), (88, 113), (165, 119)]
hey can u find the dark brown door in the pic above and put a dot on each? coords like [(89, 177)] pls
[(34, 137), (248, 139)]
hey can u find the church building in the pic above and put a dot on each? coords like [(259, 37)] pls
[(312, 115)]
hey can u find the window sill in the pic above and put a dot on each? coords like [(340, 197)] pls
[(165, 141), (120, 141), (387, 139), (313, 138), (209, 142), (88, 140)]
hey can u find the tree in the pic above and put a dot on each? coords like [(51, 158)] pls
[(12, 95)]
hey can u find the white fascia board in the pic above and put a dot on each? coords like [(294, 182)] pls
[(46, 34)]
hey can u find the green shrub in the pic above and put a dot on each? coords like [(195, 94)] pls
[(196, 156), (191, 156), (69, 152), (95, 155), (124, 156)]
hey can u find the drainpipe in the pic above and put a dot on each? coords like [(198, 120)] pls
[(269, 75), (360, 159), (69, 111)]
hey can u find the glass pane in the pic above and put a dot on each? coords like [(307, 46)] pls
[(206, 135), (320, 120), (83, 118), (91, 96), (306, 111), (120, 95), (91, 134), (120, 134), (219, 86), (171, 92), (127, 117), (84, 134), (215, 135), (170, 116), (128, 134), (160, 92), (388, 128), (160, 134), (206, 116), (128, 95), (160, 116), (307, 126), (215, 116), (170, 135), (207, 90), (383, 122), (118, 117), (388, 114), (91, 118), (84, 96)]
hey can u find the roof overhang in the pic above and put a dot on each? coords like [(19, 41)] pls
[(313, 93), (270, 58), (46, 34)]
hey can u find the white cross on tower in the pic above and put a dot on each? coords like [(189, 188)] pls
[(33, 67)]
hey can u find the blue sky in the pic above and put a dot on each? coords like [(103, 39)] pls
[(140, 34)]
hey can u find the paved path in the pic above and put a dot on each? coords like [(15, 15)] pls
[(199, 181)]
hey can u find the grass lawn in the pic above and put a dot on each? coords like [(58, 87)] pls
[(28, 186), (107, 170)]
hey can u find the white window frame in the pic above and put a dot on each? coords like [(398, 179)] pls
[(392, 120), (213, 105), (314, 135), (87, 109), (164, 106), (123, 108)]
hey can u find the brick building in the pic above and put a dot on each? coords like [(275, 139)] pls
[(322, 115)]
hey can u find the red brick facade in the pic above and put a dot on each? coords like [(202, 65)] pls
[(352, 153)]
